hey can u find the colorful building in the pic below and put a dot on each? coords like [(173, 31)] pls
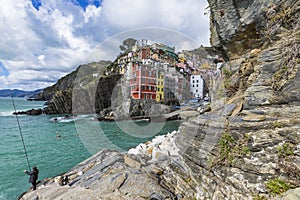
[(152, 72), (143, 82), (160, 87)]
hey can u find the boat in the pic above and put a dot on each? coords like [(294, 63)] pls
[(67, 118), (31, 99)]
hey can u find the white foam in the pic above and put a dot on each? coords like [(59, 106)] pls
[(7, 113)]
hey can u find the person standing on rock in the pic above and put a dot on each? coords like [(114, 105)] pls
[(34, 173)]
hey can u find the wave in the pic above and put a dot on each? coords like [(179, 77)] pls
[(6, 113), (67, 119), (9, 113)]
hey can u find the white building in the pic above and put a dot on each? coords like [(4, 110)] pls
[(197, 86)]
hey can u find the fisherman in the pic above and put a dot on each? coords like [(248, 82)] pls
[(34, 173)]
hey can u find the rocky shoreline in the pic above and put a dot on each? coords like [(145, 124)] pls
[(180, 165)]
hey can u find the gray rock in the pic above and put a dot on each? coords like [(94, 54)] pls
[(228, 109)]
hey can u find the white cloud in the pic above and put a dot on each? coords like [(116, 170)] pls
[(91, 12), (185, 16), (39, 46)]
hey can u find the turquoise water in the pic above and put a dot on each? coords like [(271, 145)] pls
[(53, 155)]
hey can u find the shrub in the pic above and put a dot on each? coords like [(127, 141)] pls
[(277, 186), (286, 149)]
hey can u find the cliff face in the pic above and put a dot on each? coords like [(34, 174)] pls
[(247, 147), (59, 96)]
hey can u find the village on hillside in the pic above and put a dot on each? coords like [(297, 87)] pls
[(156, 72)]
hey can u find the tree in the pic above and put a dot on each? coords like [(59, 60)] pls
[(127, 44)]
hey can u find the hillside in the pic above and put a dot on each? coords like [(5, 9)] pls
[(19, 93), (59, 96)]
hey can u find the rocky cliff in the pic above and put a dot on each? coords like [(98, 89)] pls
[(59, 96), (247, 147)]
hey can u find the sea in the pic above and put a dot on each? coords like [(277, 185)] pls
[(57, 146)]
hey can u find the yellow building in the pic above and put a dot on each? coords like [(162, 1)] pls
[(160, 87), (122, 69), (181, 58)]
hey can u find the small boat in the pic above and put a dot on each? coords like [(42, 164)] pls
[(142, 120), (31, 99), (67, 118)]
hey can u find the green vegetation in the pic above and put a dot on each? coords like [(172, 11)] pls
[(188, 180), (277, 125), (226, 144), (227, 72), (226, 82), (230, 150), (287, 149), (277, 186), (279, 76)]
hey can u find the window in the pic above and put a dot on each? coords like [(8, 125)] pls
[(197, 85), (192, 77), (158, 89), (197, 81), (193, 81), (196, 90), (193, 85)]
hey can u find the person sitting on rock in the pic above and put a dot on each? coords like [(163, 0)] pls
[(34, 173)]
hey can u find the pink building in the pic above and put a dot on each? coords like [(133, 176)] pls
[(143, 82)]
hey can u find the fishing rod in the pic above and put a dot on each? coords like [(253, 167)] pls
[(19, 126)]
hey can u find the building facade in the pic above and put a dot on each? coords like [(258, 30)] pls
[(152, 73), (197, 86), (143, 82), (160, 87)]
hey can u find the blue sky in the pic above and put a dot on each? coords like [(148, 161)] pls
[(43, 40), (3, 70), (82, 3)]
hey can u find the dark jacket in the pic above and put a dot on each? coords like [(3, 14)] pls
[(33, 175)]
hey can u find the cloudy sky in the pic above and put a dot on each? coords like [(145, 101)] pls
[(43, 40)]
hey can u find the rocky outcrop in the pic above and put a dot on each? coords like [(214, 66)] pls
[(93, 97), (59, 96), (60, 103), (30, 112), (247, 147), (239, 26)]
